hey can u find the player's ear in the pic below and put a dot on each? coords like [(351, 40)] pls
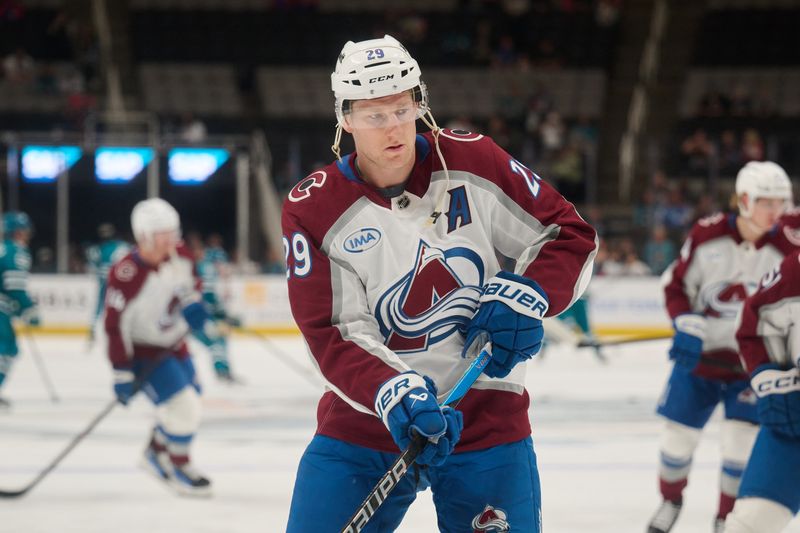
[(346, 126)]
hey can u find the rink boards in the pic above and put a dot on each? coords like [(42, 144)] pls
[(618, 306)]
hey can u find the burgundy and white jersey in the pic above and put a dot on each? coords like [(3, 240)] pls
[(376, 290), (770, 322), (143, 307), (715, 272)]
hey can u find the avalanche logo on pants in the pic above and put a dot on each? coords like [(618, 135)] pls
[(491, 520), (436, 298)]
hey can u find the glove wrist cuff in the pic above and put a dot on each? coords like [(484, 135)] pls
[(774, 381), (392, 391), (524, 298), (123, 375), (691, 324)]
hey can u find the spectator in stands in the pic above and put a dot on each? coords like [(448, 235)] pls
[(584, 133), (192, 129), (714, 104), (45, 262), (607, 12), (741, 102), (730, 156), (552, 133), (705, 206), (631, 264), (659, 251), (19, 67), (567, 170), (594, 216), (661, 187), (752, 146), (697, 150), (678, 213), (764, 103), (505, 54), (649, 211)]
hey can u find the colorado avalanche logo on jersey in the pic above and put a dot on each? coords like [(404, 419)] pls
[(437, 297), (491, 520), (724, 300)]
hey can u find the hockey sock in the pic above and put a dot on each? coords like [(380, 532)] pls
[(726, 502), (672, 491)]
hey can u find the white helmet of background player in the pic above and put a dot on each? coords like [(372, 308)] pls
[(762, 180), (151, 216)]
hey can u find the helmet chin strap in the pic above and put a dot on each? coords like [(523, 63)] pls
[(436, 130), (337, 138)]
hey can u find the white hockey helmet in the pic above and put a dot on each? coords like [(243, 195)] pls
[(151, 216), (373, 69), (762, 179)]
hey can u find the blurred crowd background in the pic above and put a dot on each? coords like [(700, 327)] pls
[(639, 112)]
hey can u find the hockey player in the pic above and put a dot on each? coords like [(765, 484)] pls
[(15, 263), (152, 302), (100, 257), (720, 264), (769, 341), (390, 251), (210, 263)]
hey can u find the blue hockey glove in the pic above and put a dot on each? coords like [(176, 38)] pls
[(123, 384), (407, 405), (510, 316), (687, 344), (778, 393)]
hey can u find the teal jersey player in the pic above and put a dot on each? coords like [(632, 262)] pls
[(100, 258), (15, 264), (208, 267)]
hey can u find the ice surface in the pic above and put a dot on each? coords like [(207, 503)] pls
[(595, 435)]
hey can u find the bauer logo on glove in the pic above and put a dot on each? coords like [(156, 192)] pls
[(521, 297), (510, 316)]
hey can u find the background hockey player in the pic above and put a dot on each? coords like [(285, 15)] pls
[(152, 302), (15, 263), (388, 250), (99, 258), (211, 263), (720, 263), (769, 341)]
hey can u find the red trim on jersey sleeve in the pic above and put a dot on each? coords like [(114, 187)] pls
[(124, 282), (703, 231), (348, 367), (560, 262), (751, 345)]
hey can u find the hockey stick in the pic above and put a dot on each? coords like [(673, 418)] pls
[(137, 385), (37, 358), (705, 360), (284, 357), (617, 342), (398, 470)]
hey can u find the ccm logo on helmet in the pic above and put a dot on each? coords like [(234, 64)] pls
[(381, 78)]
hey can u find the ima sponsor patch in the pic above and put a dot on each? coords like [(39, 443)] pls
[(491, 520)]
